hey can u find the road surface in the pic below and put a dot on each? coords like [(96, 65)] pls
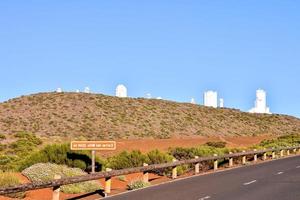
[(279, 179)]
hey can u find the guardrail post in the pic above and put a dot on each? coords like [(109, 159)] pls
[(265, 156), (215, 163), (281, 153), (56, 190), (295, 150), (107, 188), (230, 160), (273, 154), (197, 166), (255, 156), (244, 159), (174, 170), (145, 174), (288, 152)]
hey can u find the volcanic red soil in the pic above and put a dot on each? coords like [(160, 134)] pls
[(144, 145)]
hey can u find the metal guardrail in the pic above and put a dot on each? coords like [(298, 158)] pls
[(108, 174)]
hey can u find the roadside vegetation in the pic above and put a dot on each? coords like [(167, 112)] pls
[(8, 179), (46, 171), (282, 141), (60, 154), (137, 184), (27, 154), (26, 149), (21, 145)]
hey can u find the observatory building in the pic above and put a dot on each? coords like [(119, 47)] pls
[(193, 101), (87, 90), (148, 96), (59, 90), (260, 103), (121, 91), (211, 99), (221, 103)]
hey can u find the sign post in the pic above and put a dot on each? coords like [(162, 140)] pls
[(93, 146), (93, 161)]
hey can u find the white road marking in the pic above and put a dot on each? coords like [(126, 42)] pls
[(207, 197), (250, 182), (298, 167), (279, 173)]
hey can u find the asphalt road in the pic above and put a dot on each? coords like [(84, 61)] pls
[(279, 179)]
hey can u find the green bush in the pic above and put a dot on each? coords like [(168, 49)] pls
[(46, 171), (137, 184), (8, 162), (157, 157), (282, 141), (79, 164), (30, 137), (182, 169), (218, 144), (127, 160), (14, 153), (8, 179), (181, 153), (189, 153), (63, 155), (26, 142), (21, 146), (204, 150)]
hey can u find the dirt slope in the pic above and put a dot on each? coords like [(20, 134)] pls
[(98, 116)]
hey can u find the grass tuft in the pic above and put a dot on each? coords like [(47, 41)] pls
[(8, 179), (137, 184)]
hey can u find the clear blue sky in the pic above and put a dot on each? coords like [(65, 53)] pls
[(173, 49)]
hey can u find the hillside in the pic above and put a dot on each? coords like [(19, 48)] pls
[(105, 117)]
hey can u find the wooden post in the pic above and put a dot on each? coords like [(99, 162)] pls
[(244, 159), (273, 155), (197, 166), (288, 152), (108, 182), (145, 174), (215, 163), (174, 170), (265, 156), (255, 156), (281, 153), (93, 161), (56, 190), (295, 150), (230, 161)]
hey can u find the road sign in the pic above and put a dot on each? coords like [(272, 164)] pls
[(94, 145)]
